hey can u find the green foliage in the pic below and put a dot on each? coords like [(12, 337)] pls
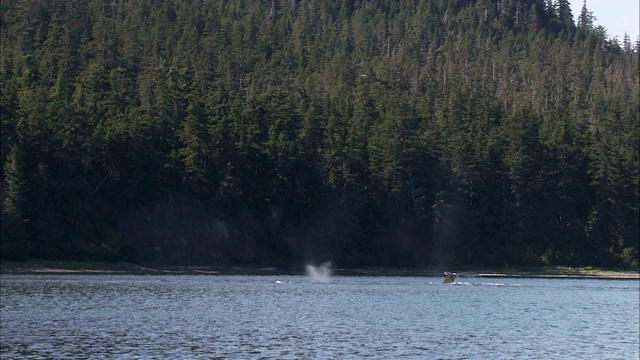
[(416, 133)]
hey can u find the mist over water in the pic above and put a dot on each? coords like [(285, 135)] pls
[(320, 274)]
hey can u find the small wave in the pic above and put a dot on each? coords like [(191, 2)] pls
[(462, 283)]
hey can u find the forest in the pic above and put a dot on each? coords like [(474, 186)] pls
[(371, 133)]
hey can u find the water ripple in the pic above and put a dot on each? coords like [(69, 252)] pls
[(260, 317)]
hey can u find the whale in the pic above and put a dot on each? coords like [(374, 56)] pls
[(450, 277)]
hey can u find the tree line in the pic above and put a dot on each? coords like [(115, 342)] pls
[(371, 133)]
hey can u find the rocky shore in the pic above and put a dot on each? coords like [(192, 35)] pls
[(124, 268)]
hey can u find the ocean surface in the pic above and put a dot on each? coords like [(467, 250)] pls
[(298, 317)]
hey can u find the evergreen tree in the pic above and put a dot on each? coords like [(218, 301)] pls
[(373, 133)]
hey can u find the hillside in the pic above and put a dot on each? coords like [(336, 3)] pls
[(369, 133)]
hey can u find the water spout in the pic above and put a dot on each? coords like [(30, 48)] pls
[(320, 274)]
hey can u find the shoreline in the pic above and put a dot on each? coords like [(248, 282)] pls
[(96, 268)]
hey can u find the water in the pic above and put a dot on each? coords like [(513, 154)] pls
[(289, 317)]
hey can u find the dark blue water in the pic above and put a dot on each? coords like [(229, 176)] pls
[(289, 317)]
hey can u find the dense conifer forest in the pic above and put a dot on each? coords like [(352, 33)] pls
[(370, 133)]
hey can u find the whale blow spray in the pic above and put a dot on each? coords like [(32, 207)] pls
[(321, 274)]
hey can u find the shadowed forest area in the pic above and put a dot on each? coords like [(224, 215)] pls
[(482, 133)]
